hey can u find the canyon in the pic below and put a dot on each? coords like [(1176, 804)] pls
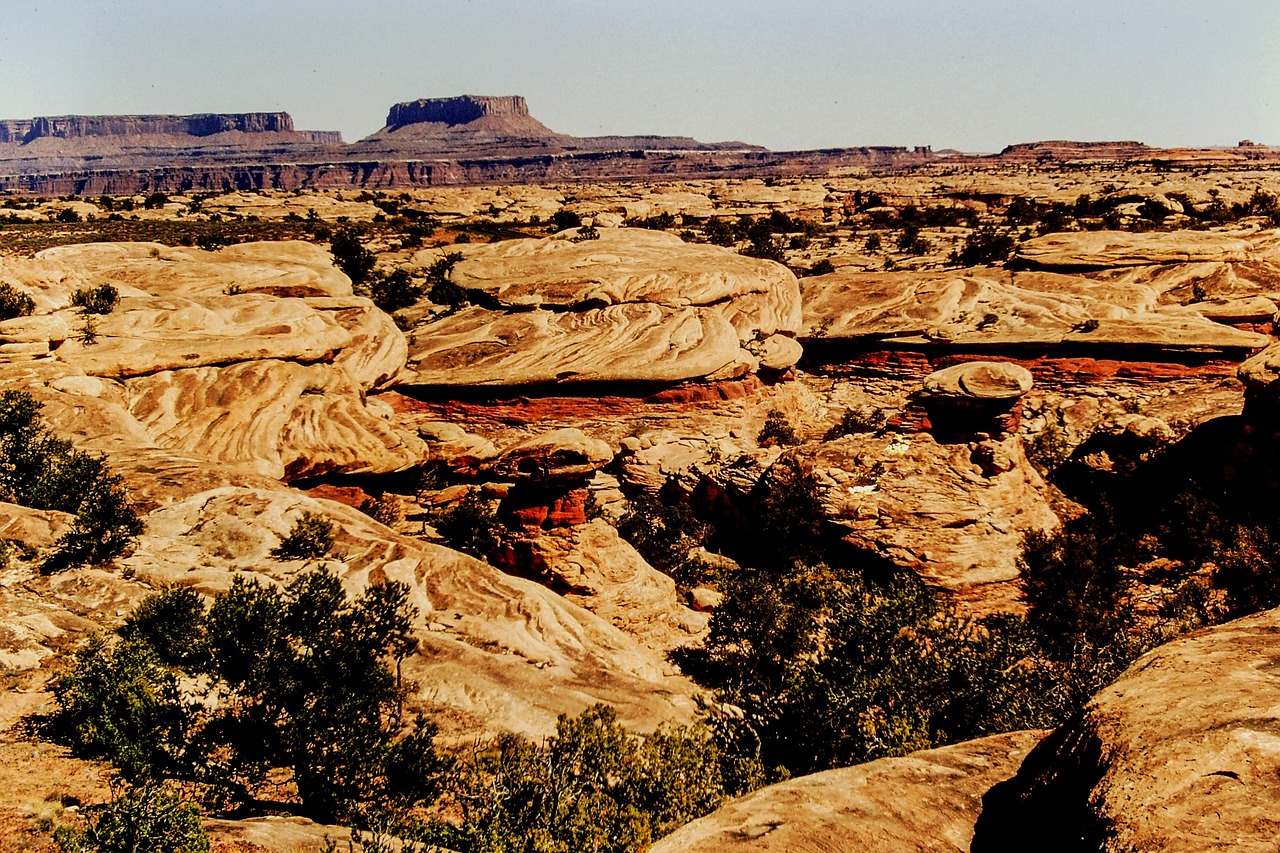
[(577, 347)]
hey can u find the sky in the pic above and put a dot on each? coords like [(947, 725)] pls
[(974, 75)]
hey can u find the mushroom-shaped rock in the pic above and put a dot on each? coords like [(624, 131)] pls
[(562, 454), (980, 380), (975, 397)]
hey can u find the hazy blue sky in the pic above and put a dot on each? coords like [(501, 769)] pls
[(968, 74)]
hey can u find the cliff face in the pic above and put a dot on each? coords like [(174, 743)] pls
[(453, 111), (79, 127)]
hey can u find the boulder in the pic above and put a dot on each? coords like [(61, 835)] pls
[(992, 381), (561, 454)]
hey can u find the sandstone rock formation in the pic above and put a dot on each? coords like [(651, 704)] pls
[(1180, 752), (632, 306), (273, 379), (926, 801)]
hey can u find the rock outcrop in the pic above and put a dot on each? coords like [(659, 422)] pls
[(1181, 752), (630, 307), (926, 801)]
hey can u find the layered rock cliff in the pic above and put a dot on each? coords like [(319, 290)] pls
[(453, 111), (24, 131)]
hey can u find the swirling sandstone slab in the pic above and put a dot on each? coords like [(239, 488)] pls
[(926, 801), (1100, 249), (284, 268), (621, 343), (279, 418), (507, 651), (622, 265), (1181, 753), (149, 334), (995, 307)]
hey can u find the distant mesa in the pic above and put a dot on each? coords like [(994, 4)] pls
[(507, 115), (26, 131), (452, 111)]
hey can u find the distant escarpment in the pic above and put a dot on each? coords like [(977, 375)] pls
[(24, 131), (469, 139)]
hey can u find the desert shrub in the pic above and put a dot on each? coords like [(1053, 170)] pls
[(119, 702), (832, 668), (657, 222), (67, 215), (719, 232), (395, 291), (585, 233), (910, 242), (14, 303), (859, 420), (44, 472), (303, 683), (563, 219), (351, 256), (873, 243), (776, 430), (788, 520), (663, 532), (96, 300), (590, 787), (310, 538), (984, 245), (170, 623), (1049, 448), (384, 509), (472, 526), (144, 819), (155, 201), (822, 267)]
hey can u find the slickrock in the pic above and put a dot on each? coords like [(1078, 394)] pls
[(953, 513), (926, 801), (503, 649), (283, 419), (632, 343), (621, 265), (999, 308), (980, 380), (1180, 753), (600, 571), (284, 268), (633, 306), (150, 334), (1098, 249)]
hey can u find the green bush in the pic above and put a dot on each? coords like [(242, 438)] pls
[(351, 256), (44, 472), (472, 526), (776, 430), (303, 684), (985, 245), (822, 267), (147, 819), (591, 787), (310, 538), (119, 702), (14, 303), (96, 300), (860, 420), (564, 219), (663, 532), (395, 291), (384, 509)]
